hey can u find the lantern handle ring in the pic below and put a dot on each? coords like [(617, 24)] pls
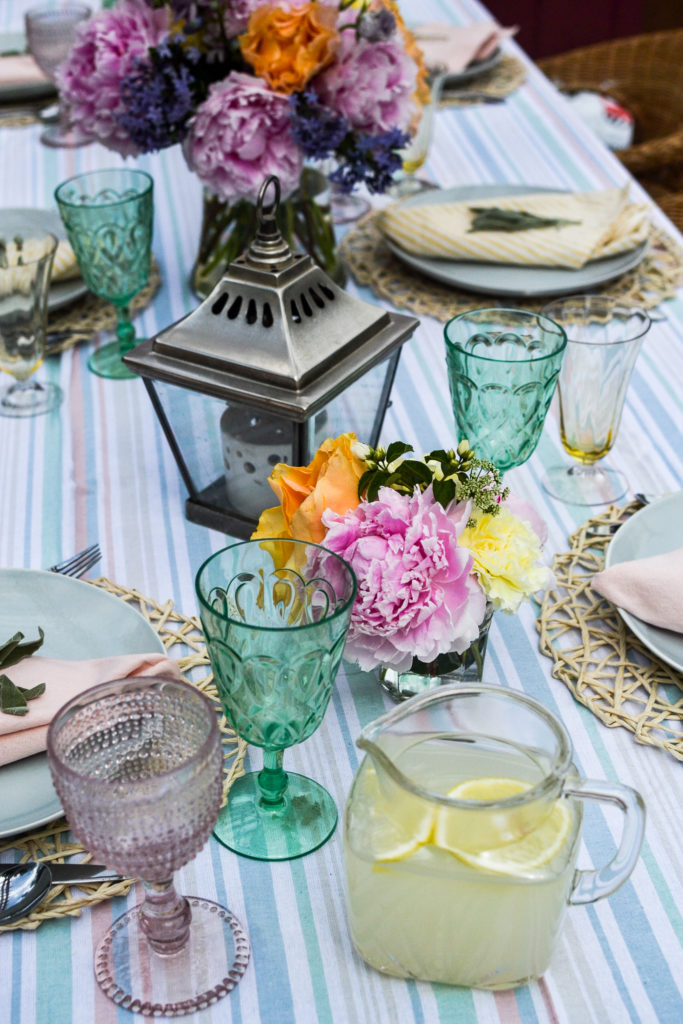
[(268, 213)]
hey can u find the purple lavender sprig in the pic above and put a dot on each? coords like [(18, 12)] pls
[(369, 159)]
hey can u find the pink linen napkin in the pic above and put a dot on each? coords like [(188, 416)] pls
[(450, 48), (23, 735), (649, 588), (20, 69)]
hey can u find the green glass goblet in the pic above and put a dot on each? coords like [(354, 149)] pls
[(108, 217), (275, 616), (503, 366)]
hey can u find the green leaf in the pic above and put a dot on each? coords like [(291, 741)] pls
[(364, 481), (34, 692), (444, 492), (493, 218), (396, 449), (12, 700), (14, 651)]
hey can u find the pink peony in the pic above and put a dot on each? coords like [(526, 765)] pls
[(101, 57), (416, 593), (371, 84), (240, 134)]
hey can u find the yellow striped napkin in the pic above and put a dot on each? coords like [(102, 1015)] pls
[(608, 224)]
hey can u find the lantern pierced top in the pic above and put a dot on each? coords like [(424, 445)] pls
[(275, 332)]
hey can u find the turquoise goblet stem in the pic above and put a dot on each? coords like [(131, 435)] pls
[(273, 778), (125, 331)]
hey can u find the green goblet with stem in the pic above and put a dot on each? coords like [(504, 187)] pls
[(108, 216), (275, 615)]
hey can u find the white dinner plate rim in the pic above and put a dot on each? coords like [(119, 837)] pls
[(61, 293), (505, 279), (472, 70), (93, 597), (656, 640)]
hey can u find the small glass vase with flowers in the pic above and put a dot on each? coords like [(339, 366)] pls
[(437, 545)]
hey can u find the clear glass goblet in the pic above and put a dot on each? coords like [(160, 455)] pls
[(275, 616), (51, 32), (108, 216), (605, 335), (25, 269), (503, 366), (137, 764)]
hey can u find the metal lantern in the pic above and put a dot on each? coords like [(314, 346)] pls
[(274, 361)]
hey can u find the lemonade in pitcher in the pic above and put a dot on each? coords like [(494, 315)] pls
[(453, 895)]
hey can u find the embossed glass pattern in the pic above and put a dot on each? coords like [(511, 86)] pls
[(108, 216), (23, 322), (605, 335), (137, 764), (503, 366), (275, 616)]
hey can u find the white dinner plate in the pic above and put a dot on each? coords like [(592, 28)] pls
[(34, 222), (504, 279), (79, 621), (473, 70), (652, 530)]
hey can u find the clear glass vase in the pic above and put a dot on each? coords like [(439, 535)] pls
[(445, 670), (305, 220)]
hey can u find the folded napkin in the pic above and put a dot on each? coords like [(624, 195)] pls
[(649, 588), (16, 277), (65, 266), (21, 736), (607, 225), (448, 49), (20, 69)]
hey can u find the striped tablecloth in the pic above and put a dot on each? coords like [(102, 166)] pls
[(99, 468)]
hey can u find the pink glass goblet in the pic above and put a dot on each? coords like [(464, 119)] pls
[(51, 33), (137, 764)]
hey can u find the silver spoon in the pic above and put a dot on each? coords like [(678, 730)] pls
[(24, 886)]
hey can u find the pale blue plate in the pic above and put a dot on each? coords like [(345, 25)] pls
[(79, 621), (502, 279), (652, 530)]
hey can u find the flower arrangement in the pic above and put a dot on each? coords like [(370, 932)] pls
[(431, 540), (250, 88)]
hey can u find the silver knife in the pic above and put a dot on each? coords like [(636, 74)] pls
[(81, 874)]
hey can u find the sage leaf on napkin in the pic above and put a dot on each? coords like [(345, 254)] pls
[(493, 218), (13, 651), (14, 699)]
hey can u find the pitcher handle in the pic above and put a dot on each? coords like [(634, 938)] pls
[(592, 885)]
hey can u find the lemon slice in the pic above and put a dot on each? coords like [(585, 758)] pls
[(482, 838), (400, 823)]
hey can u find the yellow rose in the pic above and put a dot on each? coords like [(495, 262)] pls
[(507, 556), (330, 481), (287, 46)]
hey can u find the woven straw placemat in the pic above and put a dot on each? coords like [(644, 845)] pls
[(501, 81), (79, 320), (656, 278), (184, 641), (595, 654)]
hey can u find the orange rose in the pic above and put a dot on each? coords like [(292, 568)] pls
[(330, 481), (287, 46)]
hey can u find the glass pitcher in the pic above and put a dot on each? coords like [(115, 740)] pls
[(461, 835)]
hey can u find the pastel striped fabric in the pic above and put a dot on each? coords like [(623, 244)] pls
[(100, 469), (593, 225)]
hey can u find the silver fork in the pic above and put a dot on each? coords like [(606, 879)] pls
[(79, 564)]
